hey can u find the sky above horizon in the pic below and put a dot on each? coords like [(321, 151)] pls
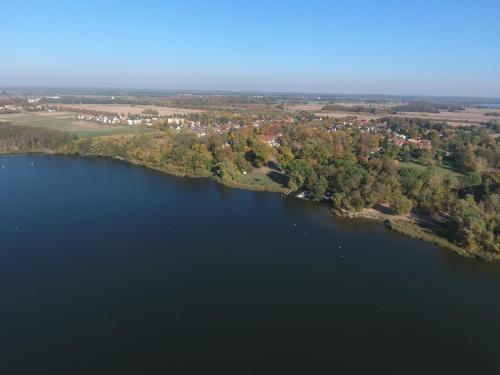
[(427, 47)]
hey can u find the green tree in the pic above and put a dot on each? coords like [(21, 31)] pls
[(298, 170), (285, 156), (261, 153), (400, 204), (228, 171)]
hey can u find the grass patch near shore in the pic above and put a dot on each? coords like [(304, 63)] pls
[(256, 181), (413, 230), (261, 179), (65, 121), (114, 130)]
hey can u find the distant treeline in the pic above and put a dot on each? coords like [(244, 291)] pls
[(96, 100), (16, 138), (199, 102), (494, 126), (426, 107), (497, 114), (11, 101), (358, 108)]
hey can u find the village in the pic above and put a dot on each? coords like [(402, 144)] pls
[(181, 121), (187, 119)]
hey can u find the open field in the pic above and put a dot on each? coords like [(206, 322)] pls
[(126, 109), (359, 115), (471, 116), (317, 106), (382, 105), (66, 122), (310, 107), (454, 176)]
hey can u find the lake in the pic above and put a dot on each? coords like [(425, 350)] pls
[(108, 268)]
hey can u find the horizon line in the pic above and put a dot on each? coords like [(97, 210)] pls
[(242, 91)]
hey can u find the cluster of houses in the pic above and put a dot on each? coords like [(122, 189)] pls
[(39, 108), (273, 140), (10, 108), (201, 129), (103, 119), (175, 121), (401, 140), (112, 119), (365, 126)]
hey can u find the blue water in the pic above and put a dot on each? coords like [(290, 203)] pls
[(107, 268), (491, 105)]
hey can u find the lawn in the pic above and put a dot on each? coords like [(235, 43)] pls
[(66, 122), (262, 179), (114, 130), (443, 170)]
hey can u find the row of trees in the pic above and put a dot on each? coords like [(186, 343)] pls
[(16, 138)]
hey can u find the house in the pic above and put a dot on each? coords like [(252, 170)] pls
[(425, 144), (399, 142), (134, 122), (271, 140), (175, 121)]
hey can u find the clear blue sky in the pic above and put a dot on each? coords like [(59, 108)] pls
[(396, 47)]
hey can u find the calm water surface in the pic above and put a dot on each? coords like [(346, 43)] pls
[(107, 268)]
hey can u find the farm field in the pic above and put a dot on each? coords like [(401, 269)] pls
[(66, 122), (317, 106), (471, 116), (126, 109), (358, 115)]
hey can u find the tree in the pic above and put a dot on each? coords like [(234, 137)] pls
[(285, 156), (242, 163), (400, 204), (298, 170), (228, 171), (466, 158), (316, 184), (261, 153), (406, 154), (201, 160), (468, 226)]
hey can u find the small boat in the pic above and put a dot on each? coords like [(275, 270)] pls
[(304, 194)]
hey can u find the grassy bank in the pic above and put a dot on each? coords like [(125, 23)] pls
[(413, 230), (409, 226), (274, 188)]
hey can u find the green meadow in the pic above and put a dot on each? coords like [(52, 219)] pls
[(65, 121)]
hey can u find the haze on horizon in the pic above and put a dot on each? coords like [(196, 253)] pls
[(390, 47)]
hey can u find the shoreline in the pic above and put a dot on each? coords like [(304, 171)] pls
[(406, 226)]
